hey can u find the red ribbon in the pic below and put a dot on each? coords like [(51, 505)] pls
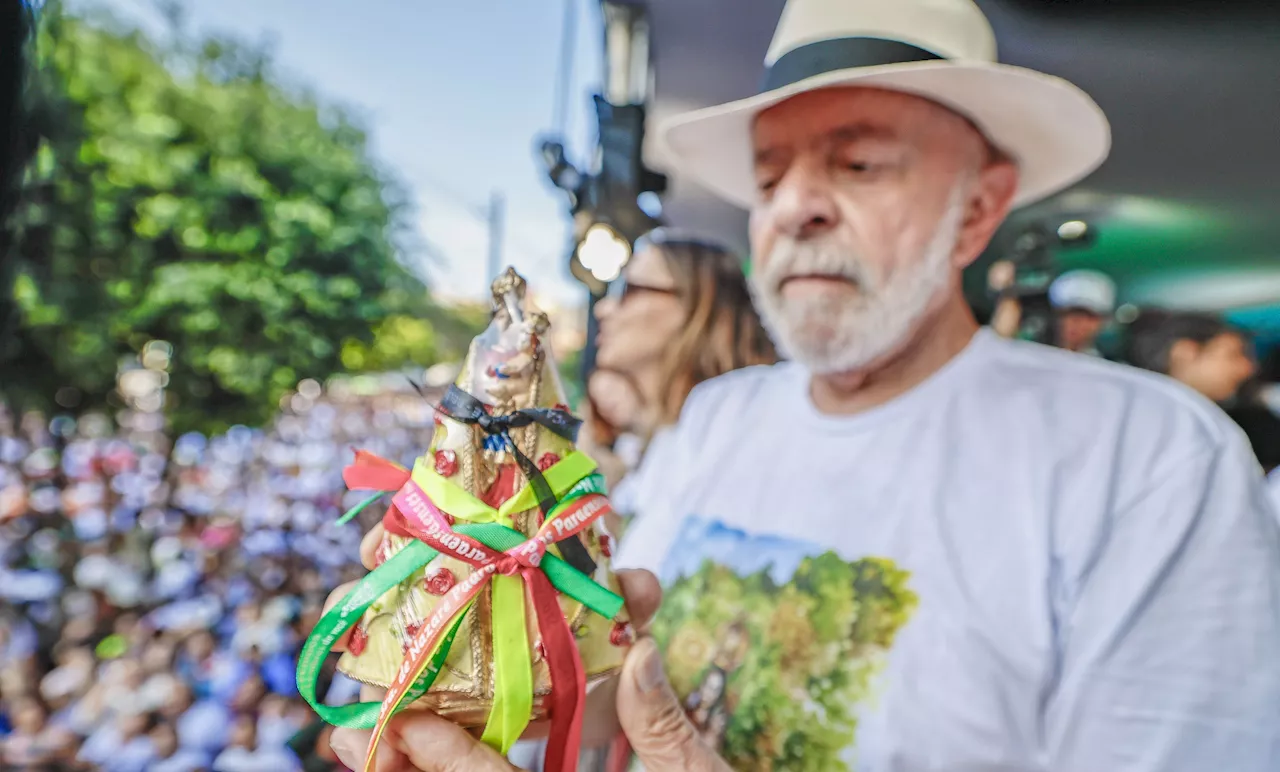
[(413, 513), (370, 472)]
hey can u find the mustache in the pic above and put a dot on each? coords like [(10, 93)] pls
[(790, 258)]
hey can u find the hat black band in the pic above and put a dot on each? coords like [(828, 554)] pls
[(839, 54)]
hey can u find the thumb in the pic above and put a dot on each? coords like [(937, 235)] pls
[(654, 720)]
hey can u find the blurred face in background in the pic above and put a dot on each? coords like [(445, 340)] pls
[(249, 695), (1216, 368), (243, 733), (28, 717), (158, 657), (199, 646), (639, 321), (165, 741), (1078, 330), (682, 315), (869, 203), (132, 725), (179, 701)]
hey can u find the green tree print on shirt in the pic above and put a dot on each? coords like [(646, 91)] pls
[(773, 673)]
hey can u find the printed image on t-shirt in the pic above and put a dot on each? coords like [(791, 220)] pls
[(774, 644)]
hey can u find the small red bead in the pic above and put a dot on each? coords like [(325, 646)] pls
[(547, 461), (446, 463), (358, 641), (562, 407), (439, 581), (606, 545), (622, 634)]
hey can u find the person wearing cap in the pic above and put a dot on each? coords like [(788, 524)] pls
[(961, 552), (1083, 302)]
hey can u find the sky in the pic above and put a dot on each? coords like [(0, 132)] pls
[(454, 96)]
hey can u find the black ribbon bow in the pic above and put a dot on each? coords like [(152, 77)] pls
[(461, 406)]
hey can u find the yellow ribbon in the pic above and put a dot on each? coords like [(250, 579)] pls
[(513, 668)]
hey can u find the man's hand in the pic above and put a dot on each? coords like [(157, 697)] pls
[(647, 711), (652, 718)]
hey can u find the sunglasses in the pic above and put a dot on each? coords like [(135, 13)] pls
[(620, 290)]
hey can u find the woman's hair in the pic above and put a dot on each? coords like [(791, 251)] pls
[(721, 331), (1151, 337)]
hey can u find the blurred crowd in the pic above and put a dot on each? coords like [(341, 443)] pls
[(155, 591)]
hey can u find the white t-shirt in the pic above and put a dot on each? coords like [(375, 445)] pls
[(1273, 487), (625, 497), (1035, 560)]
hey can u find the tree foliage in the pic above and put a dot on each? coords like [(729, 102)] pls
[(812, 649), (178, 193)]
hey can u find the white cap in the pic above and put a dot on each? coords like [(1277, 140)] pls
[(1085, 290)]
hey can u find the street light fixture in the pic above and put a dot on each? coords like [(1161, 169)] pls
[(604, 252)]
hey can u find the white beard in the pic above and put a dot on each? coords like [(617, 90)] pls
[(831, 334)]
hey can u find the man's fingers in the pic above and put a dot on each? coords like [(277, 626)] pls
[(418, 740), (350, 746), (434, 744), (334, 599), (369, 545), (653, 719), (643, 594)]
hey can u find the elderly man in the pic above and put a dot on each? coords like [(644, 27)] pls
[(918, 546)]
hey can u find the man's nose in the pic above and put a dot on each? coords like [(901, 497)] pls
[(803, 205)]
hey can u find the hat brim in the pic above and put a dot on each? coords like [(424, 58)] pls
[(1053, 130)]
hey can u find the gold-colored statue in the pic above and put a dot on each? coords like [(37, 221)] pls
[(508, 368)]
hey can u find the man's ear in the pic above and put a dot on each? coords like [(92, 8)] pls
[(989, 201)]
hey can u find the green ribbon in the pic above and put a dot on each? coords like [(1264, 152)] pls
[(512, 665), (358, 508), (348, 612)]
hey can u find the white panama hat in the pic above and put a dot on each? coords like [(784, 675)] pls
[(942, 50)]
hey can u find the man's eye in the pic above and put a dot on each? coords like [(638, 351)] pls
[(766, 186), (858, 166)]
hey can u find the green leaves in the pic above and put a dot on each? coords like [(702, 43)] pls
[(180, 195), (798, 657)]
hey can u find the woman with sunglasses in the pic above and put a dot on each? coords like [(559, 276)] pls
[(681, 313)]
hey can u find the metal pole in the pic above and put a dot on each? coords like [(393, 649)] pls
[(564, 76), (497, 207), (589, 347)]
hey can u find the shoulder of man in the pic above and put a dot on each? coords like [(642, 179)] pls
[(1084, 390), (717, 413), (1111, 440), (755, 388)]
